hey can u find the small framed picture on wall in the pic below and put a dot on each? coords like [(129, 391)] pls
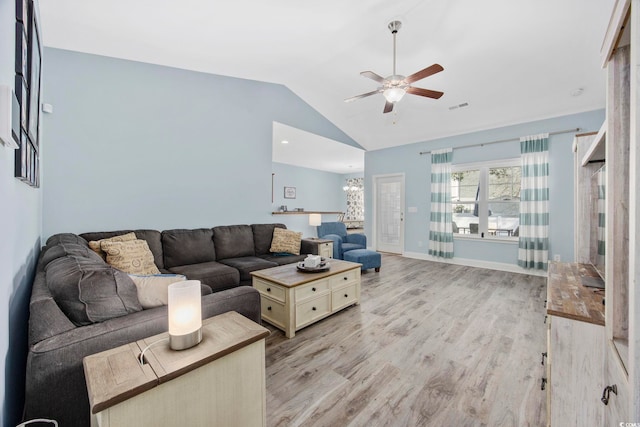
[(289, 192)]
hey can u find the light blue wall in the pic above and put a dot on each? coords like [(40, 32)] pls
[(315, 191), (20, 228), (135, 145), (417, 169)]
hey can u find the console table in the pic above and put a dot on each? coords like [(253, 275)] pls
[(219, 382)]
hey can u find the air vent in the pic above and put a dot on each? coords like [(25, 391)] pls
[(455, 107)]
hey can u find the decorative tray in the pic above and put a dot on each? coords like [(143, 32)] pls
[(324, 266)]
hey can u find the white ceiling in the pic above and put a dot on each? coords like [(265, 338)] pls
[(512, 61)]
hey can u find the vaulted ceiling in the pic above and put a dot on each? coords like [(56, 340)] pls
[(510, 61)]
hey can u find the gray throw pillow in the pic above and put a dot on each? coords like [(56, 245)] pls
[(90, 291)]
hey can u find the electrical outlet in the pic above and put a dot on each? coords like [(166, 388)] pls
[(556, 257)]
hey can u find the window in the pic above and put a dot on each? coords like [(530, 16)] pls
[(485, 199)]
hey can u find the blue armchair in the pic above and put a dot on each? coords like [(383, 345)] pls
[(342, 242)]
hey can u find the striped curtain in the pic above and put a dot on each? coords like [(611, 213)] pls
[(533, 249), (440, 225)]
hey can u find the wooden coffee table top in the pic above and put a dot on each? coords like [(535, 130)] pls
[(289, 276)]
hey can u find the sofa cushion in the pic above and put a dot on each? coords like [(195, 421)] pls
[(65, 238), (153, 290), (213, 274), (184, 247), (50, 253), (245, 265), (262, 236), (132, 257), (152, 237), (233, 241), (95, 245), (285, 241), (284, 259), (90, 291)]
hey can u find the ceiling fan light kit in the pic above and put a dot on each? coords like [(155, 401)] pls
[(395, 86)]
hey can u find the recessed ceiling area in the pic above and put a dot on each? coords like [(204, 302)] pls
[(312, 151), (511, 61)]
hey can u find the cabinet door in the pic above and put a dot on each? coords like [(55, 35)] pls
[(576, 362), (616, 411)]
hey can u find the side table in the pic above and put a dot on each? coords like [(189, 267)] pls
[(322, 247), (219, 382)]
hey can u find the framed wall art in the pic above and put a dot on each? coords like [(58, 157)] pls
[(289, 192), (27, 90)]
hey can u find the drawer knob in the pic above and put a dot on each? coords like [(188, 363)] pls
[(346, 295), (313, 289), (607, 392), (268, 289), (269, 308), (345, 278), (313, 308)]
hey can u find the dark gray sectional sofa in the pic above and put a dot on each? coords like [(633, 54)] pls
[(220, 257)]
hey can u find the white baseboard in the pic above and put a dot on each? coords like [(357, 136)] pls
[(500, 266)]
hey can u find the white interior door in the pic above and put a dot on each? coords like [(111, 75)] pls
[(389, 213)]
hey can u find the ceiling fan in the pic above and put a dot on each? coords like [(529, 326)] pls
[(395, 86)]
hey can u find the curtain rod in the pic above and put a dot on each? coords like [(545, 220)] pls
[(506, 140)]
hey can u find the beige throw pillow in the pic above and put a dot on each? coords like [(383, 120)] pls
[(153, 291), (95, 244), (286, 241), (133, 256)]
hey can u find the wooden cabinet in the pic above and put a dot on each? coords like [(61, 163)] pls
[(621, 57), (575, 347), (219, 382)]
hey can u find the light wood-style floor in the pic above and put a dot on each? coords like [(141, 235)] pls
[(431, 344)]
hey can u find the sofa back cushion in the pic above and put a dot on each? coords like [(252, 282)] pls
[(233, 241), (152, 237), (186, 247), (65, 238), (262, 236), (58, 250), (90, 291)]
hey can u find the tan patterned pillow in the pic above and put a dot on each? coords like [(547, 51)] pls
[(95, 244), (132, 256), (286, 241)]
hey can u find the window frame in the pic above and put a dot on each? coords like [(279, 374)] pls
[(483, 197)]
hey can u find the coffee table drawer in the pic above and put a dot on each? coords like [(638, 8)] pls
[(309, 311), (344, 278), (344, 296), (311, 290), (273, 311), (266, 288)]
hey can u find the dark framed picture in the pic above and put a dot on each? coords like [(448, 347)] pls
[(22, 11), (21, 156), (23, 100), (22, 50), (289, 192), (34, 81)]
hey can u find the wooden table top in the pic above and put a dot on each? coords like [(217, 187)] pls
[(289, 276), (567, 297), (116, 375)]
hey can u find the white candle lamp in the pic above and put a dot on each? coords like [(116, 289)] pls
[(185, 314), (315, 219)]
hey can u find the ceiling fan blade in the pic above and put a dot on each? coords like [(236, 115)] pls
[(372, 76), (388, 106), (364, 95), (424, 92), (435, 68)]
